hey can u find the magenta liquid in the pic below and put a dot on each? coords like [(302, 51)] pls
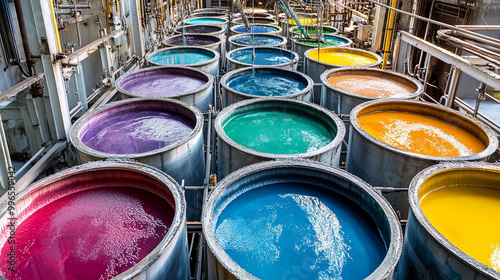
[(162, 85), (139, 131), (93, 234)]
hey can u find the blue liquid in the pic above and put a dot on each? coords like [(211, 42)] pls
[(292, 230), (205, 21), (188, 58), (258, 40), (256, 29), (262, 57), (261, 84)]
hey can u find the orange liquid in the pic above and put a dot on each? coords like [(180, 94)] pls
[(370, 86), (420, 134)]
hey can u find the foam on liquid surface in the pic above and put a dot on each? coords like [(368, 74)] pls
[(137, 131), (420, 134), (287, 230), (93, 234), (261, 84)]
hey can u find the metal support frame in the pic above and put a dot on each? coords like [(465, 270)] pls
[(485, 76), (137, 34), (5, 163), (452, 88), (80, 87)]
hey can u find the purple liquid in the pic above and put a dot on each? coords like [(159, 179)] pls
[(138, 131), (93, 234), (162, 85)]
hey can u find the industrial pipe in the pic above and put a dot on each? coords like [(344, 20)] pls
[(449, 26), (388, 34)]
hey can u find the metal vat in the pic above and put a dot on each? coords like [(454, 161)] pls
[(315, 68), (257, 29), (201, 97), (230, 95), (205, 14), (202, 29), (233, 156), (383, 165), (162, 57), (342, 102), (183, 159), (234, 64), (260, 40), (221, 22), (199, 40), (256, 20), (427, 254), (211, 10), (168, 260), (300, 47), (255, 15), (317, 176)]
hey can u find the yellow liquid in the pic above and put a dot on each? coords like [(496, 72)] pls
[(420, 134), (303, 21), (341, 58), (469, 217)]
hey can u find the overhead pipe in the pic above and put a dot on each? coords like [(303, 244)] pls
[(449, 26), (243, 15), (388, 35), (283, 4)]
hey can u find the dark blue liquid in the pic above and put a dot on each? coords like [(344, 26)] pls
[(258, 40), (296, 231), (256, 29), (266, 84), (262, 57)]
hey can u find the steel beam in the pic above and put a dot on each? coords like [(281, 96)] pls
[(82, 53), (488, 77), (6, 94), (5, 163)]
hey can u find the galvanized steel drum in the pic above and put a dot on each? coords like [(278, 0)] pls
[(258, 40), (314, 67), (233, 154), (256, 29), (384, 165), (300, 45), (199, 40), (278, 79), (342, 101), (188, 85), (267, 176), (203, 59), (93, 194), (264, 56), (179, 154), (427, 253)]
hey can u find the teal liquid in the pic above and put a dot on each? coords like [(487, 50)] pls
[(261, 84), (330, 41), (167, 58), (261, 57), (258, 40), (277, 132), (205, 21), (299, 231)]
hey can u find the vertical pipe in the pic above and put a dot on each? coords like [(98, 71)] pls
[(5, 163), (54, 21), (388, 34)]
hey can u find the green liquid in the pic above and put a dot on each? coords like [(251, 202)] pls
[(278, 132), (330, 41)]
